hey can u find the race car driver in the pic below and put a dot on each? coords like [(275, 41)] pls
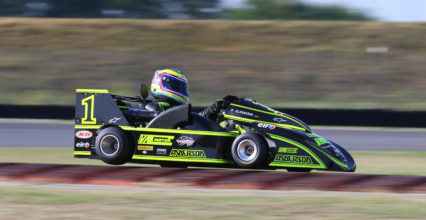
[(169, 87)]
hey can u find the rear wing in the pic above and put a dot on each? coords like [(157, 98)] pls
[(97, 107)]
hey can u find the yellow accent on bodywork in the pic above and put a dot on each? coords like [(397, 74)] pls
[(232, 117), (82, 153), (320, 164), (177, 159), (272, 113), (87, 126), (91, 91), (174, 131), (89, 110), (179, 131)]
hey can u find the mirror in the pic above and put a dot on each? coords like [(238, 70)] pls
[(143, 91)]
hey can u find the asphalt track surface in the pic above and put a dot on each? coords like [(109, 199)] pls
[(45, 133), (209, 178)]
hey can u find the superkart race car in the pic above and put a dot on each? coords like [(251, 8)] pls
[(118, 129)]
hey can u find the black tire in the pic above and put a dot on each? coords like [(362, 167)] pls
[(302, 170), (249, 150), (113, 146)]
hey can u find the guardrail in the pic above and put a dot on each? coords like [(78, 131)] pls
[(337, 117)]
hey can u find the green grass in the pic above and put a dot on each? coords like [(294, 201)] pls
[(24, 201), (279, 63), (50, 202), (398, 163)]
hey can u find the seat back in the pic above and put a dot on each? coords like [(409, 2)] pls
[(174, 117)]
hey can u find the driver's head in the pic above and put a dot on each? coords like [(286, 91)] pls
[(170, 85)]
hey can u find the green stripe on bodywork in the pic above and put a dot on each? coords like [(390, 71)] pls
[(180, 131), (232, 117), (87, 126), (272, 113), (334, 159), (320, 164), (175, 131), (91, 91), (84, 153), (166, 158)]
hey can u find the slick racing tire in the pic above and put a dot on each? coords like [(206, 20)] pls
[(113, 146), (249, 150)]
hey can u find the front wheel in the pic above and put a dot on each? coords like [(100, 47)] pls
[(249, 150), (113, 146)]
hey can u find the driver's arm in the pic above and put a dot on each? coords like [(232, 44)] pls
[(213, 111)]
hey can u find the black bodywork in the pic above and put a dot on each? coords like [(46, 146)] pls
[(180, 136)]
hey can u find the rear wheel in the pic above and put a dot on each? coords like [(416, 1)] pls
[(249, 150), (113, 146)]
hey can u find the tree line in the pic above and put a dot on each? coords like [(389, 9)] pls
[(176, 9)]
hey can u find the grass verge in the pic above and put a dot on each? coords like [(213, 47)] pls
[(25, 201), (36, 202), (395, 163)]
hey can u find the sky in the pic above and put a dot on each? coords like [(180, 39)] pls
[(383, 10)]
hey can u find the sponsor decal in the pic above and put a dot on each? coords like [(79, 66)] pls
[(161, 151), (244, 112), (282, 158), (185, 141), (163, 140), (114, 120), (261, 125), (321, 141), (185, 153), (311, 135), (84, 134), (82, 144), (279, 120), (290, 150), (145, 148)]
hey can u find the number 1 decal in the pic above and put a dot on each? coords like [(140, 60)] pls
[(89, 108)]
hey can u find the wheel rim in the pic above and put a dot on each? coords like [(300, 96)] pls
[(109, 145), (247, 150)]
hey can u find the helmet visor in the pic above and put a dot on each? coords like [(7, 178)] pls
[(175, 84)]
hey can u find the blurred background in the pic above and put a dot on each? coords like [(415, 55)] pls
[(310, 55), (285, 53)]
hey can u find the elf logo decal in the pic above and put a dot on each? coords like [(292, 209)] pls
[(84, 134), (185, 140), (261, 125), (184, 153), (82, 144), (281, 158), (163, 140)]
